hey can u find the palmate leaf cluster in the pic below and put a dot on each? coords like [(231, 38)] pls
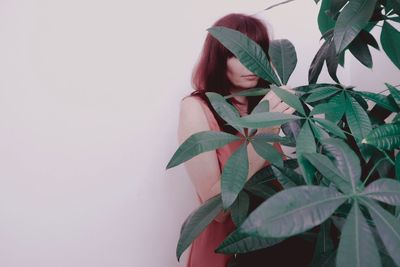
[(342, 185)]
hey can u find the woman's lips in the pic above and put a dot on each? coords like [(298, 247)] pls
[(250, 77)]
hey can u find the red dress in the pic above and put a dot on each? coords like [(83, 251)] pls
[(202, 250)]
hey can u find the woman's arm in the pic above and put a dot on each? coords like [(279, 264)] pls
[(204, 170)]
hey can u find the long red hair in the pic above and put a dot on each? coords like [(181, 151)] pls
[(209, 75)]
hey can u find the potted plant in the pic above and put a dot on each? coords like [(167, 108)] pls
[(343, 183)]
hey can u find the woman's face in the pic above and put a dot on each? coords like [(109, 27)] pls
[(239, 75)]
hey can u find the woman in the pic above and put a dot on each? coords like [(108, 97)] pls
[(219, 71)]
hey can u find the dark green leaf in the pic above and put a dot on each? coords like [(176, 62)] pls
[(390, 39), (290, 99), (357, 246), (287, 177), (385, 190), (330, 127), (249, 53), (283, 57), (225, 110), (360, 50), (353, 18), (250, 92), (240, 208), (267, 152), (323, 93), (324, 243), (398, 167), (292, 211), (345, 159), (199, 143), (395, 93), (381, 100), (318, 62), (325, 22), (337, 5), (264, 119), (328, 170), (388, 228), (357, 118), (238, 242), (385, 137), (305, 142), (332, 61), (339, 103), (234, 175), (197, 222)]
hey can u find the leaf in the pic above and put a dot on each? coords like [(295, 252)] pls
[(198, 143), (321, 94), (240, 208), (278, 4), (290, 99), (357, 118), (264, 119), (305, 142), (360, 50), (353, 18), (283, 57), (385, 137), (397, 167), (262, 106), (234, 175), (332, 61), (390, 38), (197, 222), (339, 103), (292, 211), (267, 152), (238, 242), (258, 184), (325, 22), (225, 110), (318, 132), (249, 53), (395, 93), (357, 246), (250, 92), (287, 177), (388, 228), (381, 100), (328, 170), (318, 62), (324, 243), (385, 190), (337, 5), (345, 159), (330, 127)]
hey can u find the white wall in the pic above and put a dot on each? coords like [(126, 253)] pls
[(89, 97)]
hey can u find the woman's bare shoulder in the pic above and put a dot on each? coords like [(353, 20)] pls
[(192, 104)]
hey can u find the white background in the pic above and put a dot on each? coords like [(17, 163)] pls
[(89, 98)]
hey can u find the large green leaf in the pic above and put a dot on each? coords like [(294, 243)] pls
[(325, 22), (388, 228), (250, 92), (288, 177), (384, 189), (290, 99), (395, 93), (225, 110), (305, 142), (240, 208), (381, 100), (264, 119), (197, 222), (328, 170), (386, 137), (238, 242), (330, 127), (359, 48), (234, 175), (198, 143), (267, 152), (390, 38), (283, 57), (339, 103), (357, 246), (321, 94), (249, 53), (353, 18), (357, 118), (292, 211), (345, 159)]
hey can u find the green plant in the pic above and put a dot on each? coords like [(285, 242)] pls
[(346, 174)]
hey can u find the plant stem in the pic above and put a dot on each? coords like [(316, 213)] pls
[(372, 170)]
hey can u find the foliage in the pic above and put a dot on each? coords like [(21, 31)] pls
[(346, 174)]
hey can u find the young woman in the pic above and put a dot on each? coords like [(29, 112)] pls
[(219, 71)]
